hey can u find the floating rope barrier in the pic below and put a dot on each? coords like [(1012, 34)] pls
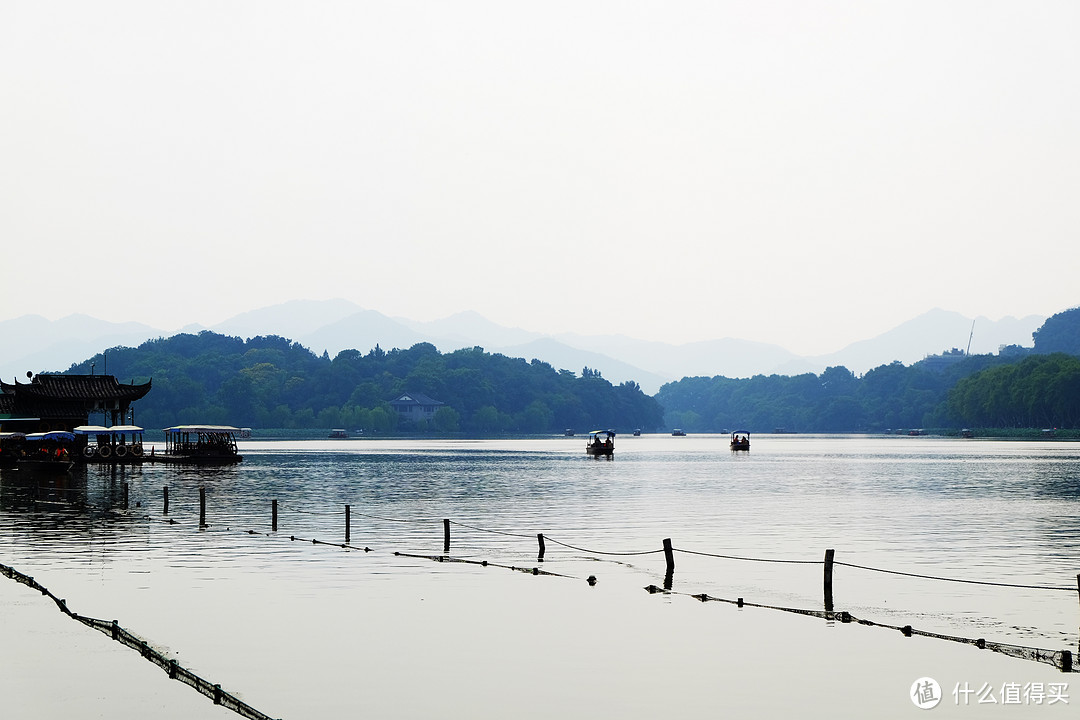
[(494, 532), (1061, 659), (601, 552), (752, 559), (958, 580), (488, 563), (131, 640)]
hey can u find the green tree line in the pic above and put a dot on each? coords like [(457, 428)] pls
[(977, 391), (274, 382)]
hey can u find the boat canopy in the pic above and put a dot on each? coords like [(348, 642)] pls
[(741, 432), (11, 435), (114, 430), (606, 433), (202, 429), (52, 435)]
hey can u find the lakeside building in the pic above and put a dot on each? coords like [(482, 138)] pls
[(415, 406), (63, 402)]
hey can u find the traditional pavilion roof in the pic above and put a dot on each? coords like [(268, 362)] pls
[(411, 398), (77, 388)]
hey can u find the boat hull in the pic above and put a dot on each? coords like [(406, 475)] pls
[(194, 459)]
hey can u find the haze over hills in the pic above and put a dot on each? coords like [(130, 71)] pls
[(34, 343)]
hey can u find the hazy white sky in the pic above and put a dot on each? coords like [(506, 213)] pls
[(797, 172)]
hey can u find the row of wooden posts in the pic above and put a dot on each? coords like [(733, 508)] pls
[(669, 552)]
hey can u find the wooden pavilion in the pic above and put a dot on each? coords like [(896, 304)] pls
[(63, 402)]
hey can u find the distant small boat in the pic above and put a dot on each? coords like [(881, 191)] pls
[(601, 442), (740, 440), (637, 432), (678, 432), (568, 432), (339, 434), (966, 433)]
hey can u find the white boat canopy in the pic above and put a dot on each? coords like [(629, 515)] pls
[(202, 429), (102, 430)]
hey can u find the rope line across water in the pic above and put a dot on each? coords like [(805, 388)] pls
[(752, 559), (125, 637), (958, 580)]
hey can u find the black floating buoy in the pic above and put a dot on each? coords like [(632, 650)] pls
[(536, 571), (980, 643), (591, 580), (906, 630), (652, 589), (484, 563)]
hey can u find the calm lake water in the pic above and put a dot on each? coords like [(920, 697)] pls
[(316, 631)]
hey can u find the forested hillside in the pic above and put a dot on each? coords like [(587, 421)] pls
[(273, 382), (983, 391)]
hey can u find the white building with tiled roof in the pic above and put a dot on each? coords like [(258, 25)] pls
[(415, 406)]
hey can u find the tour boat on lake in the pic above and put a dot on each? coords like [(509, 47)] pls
[(199, 445), (601, 442), (48, 452), (117, 444)]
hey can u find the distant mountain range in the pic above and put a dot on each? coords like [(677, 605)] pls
[(33, 343)]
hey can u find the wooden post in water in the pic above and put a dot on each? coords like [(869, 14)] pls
[(540, 539), (125, 496), (166, 491), (669, 556), (446, 536), (202, 507), (828, 579), (273, 515), (347, 522)]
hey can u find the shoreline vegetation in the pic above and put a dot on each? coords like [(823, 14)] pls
[(275, 382)]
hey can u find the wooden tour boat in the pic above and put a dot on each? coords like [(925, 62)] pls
[(740, 440), (199, 445), (116, 444), (48, 452)]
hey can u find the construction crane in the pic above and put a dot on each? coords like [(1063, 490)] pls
[(968, 351)]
